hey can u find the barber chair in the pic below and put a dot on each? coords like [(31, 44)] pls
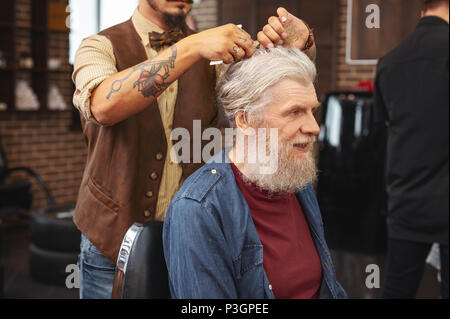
[(15, 198), (351, 187), (141, 271), (17, 195)]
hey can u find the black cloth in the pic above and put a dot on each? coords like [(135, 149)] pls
[(412, 96), (405, 267)]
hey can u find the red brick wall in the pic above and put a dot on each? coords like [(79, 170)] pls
[(205, 13), (347, 75), (43, 140)]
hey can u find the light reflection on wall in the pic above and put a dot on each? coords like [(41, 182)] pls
[(333, 121)]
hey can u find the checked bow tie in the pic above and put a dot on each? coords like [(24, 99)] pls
[(158, 40)]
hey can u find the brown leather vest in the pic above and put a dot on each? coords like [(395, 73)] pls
[(125, 161)]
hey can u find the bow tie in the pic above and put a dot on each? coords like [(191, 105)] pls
[(158, 40)]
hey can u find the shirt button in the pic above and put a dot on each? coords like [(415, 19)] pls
[(326, 265), (147, 213), (171, 90), (170, 126), (270, 287), (214, 172), (154, 176), (159, 156), (149, 194)]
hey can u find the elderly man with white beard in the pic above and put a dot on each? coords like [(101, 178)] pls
[(235, 231)]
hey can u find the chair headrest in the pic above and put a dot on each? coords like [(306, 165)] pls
[(144, 269)]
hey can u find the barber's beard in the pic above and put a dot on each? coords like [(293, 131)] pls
[(295, 170), (172, 21)]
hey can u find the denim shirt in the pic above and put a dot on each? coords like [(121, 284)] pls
[(211, 246)]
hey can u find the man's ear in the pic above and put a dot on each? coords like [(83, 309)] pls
[(242, 123)]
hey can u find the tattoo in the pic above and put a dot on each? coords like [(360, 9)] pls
[(150, 81), (242, 39)]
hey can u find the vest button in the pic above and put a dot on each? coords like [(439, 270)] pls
[(149, 194), (147, 213), (154, 176), (159, 156)]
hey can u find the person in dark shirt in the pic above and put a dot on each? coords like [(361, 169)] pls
[(412, 99)]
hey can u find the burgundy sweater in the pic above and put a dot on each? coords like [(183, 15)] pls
[(290, 258)]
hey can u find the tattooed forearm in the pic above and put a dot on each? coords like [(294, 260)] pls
[(151, 82), (152, 79)]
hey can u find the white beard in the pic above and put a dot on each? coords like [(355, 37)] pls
[(295, 170)]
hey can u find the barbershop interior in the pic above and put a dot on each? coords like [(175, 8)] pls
[(44, 149)]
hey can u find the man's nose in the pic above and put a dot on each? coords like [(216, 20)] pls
[(310, 126)]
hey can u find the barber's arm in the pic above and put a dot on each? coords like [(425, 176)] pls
[(128, 92), (288, 30)]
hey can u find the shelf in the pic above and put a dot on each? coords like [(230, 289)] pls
[(5, 115), (34, 70), (7, 25), (37, 29)]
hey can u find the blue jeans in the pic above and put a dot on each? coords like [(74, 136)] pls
[(96, 272)]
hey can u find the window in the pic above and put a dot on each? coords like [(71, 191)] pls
[(113, 12), (88, 17)]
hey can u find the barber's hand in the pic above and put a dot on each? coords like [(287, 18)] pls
[(286, 29), (228, 43)]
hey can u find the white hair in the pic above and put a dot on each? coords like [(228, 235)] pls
[(243, 87)]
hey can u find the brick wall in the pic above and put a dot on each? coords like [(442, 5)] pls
[(348, 75), (205, 13), (43, 140)]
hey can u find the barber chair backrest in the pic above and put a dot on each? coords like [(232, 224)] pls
[(141, 269)]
